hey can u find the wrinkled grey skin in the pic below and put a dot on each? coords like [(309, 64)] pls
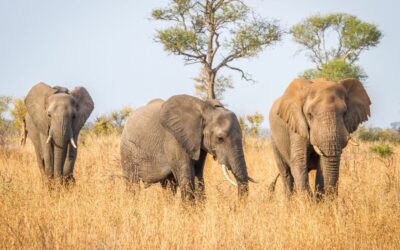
[(167, 142), (310, 125), (61, 114)]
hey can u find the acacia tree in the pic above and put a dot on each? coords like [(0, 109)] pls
[(334, 43), (214, 33)]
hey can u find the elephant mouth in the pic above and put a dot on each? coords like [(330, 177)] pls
[(50, 139)]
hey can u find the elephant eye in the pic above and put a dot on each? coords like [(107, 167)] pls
[(220, 139), (310, 116)]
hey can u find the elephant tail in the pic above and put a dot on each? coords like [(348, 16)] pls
[(24, 133), (271, 187)]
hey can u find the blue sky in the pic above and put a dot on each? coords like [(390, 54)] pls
[(108, 47)]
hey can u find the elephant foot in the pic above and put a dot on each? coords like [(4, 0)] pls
[(69, 181), (187, 194)]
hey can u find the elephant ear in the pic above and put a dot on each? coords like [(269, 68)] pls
[(290, 108), (85, 107), (182, 116), (358, 104), (36, 105)]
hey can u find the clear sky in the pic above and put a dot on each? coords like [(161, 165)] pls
[(108, 47)]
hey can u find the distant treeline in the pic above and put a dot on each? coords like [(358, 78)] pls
[(12, 113)]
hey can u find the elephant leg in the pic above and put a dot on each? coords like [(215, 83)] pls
[(185, 177), (199, 181), (39, 158), (300, 176), (35, 138), (132, 180), (319, 184), (48, 158), (40, 162), (68, 170), (284, 170), (130, 171), (299, 160), (170, 184)]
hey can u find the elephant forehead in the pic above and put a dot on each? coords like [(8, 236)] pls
[(327, 85), (59, 102), (329, 90), (226, 121), (62, 98)]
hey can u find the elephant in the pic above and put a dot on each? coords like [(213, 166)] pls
[(310, 125), (53, 120), (167, 142)]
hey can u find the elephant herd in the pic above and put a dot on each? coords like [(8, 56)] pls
[(167, 141)]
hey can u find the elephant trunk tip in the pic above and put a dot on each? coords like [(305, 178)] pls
[(251, 179)]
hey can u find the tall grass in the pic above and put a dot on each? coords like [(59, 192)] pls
[(99, 213)]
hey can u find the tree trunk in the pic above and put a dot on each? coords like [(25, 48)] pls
[(210, 85), (210, 50)]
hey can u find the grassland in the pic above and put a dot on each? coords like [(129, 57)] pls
[(99, 213)]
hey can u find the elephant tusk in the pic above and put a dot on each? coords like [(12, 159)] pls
[(318, 151), (225, 171), (251, 179), (48, 139), (353, 142), (73, 143)]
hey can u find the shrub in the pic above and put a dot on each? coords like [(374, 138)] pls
[(107, 124), (383, 150), (378, 134)]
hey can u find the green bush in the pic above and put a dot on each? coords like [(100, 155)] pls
[(378, 134), (106, 124), (383, 150)]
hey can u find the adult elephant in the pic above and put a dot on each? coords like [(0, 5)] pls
[(310, 125), (167, 142), (54, 118)]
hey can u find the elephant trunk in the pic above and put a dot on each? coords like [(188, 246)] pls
[(328, 142), (59, 159), (239, 170), (330, 174), (61, 135)]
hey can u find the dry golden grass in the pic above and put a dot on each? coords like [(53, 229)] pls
[(98, 212)]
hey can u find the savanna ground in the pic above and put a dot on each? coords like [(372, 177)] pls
[(99, 213)]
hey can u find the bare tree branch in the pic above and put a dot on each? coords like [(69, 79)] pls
[(245, 75)]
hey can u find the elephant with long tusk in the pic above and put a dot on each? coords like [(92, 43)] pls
[(168, 141), (54, 118), (226, 175), (310, 124)]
